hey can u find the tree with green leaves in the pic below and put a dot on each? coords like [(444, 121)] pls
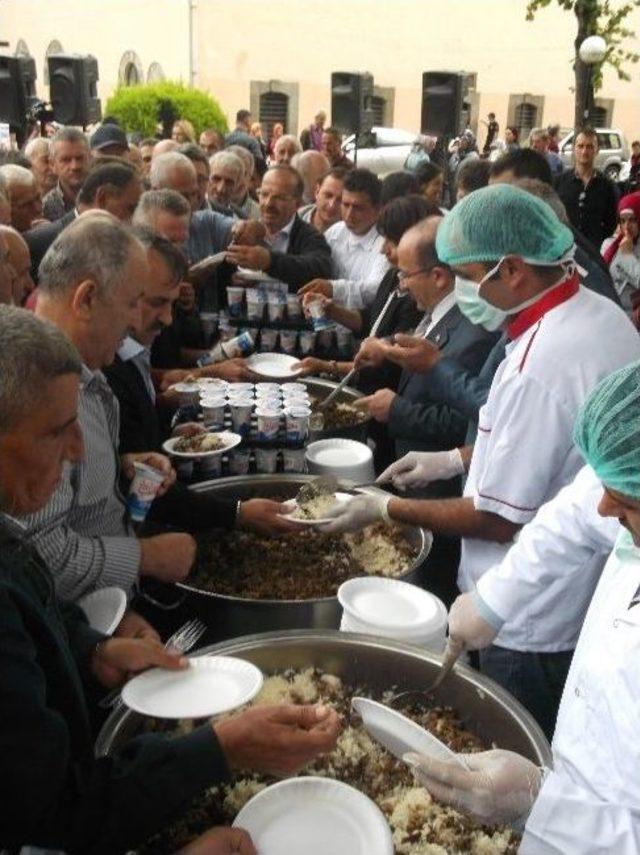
[(604, 18)]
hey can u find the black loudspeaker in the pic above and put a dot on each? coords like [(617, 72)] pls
[(351, 102), (442, 93), (17, 90), (73, 89)]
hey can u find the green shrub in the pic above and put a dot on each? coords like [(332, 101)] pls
[(142, 108)]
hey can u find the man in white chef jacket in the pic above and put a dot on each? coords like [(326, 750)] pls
[(589, 802), (512, 259)]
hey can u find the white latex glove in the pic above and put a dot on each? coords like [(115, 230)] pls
[(419, 468), (468, 623), (357, 513), (498, 787)]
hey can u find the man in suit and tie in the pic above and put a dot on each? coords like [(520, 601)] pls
[(416, 415)]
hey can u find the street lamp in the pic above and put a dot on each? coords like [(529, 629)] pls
[(591, 52)]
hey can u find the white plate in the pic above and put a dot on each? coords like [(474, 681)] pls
[(389, 603), (398, 734), (104, 608), (316, 816), (209, 686), (276, 365), (208, 263), (230, 441), (340, 498), (255, 275)]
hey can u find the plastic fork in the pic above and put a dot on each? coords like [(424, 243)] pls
[(182, 640)]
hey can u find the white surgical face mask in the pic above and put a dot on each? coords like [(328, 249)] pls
[(483, 313)]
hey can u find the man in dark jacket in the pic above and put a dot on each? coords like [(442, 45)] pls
[(293, 252), (54, 793)]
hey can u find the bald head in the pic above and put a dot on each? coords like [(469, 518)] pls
[(19, 260), (420, 241), (423, 275), (312, 166), (164, 146), (174, 171)]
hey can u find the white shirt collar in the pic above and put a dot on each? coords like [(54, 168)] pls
[(366, 241), (445, 305), (130, 348), (285, 231)]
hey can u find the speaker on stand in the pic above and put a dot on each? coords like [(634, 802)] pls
[(442, 115), (352, 104)]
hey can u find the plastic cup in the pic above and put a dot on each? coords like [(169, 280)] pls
[(268, 340), (297, 423), (324, 339), (268, 422), (255, 309), (293, 388), (212, 386), (294, 307), (235, 296), (239, 461), (267, 389), (293, 459), (266, 460), (213, 413), (143, 490), (288, 341), (307, 342), (189, 393), (241, 416), (318, 316), (247, 388), (275, 308)]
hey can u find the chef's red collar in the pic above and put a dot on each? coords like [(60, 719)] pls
[(528, 317)]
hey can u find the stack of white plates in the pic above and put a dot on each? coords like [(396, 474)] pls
[(393, 609), (344, 458)]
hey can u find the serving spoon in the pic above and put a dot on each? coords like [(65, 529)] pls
[(454, 649)]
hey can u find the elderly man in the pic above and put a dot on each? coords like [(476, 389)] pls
[(70, 163), (211, 141), (38, 151), (24, 194), (242, 197), (242, 135), (55, 793), (588, 195), (130, 377), (200, 163), (312, 166), (327, 208), (520, 278), (19, 260), (111, 187), (539, 141), (332, 149), (285, 149), (227, 174), (311, 137), (91, 281), (294, 251), (356, 245)]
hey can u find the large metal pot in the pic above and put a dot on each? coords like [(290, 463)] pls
[(234, 616), (379, 664), (322, 388)]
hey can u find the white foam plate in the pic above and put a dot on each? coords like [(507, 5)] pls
[(388, 603), (276, 365), (209, 686), (340, 498), (104, 608), (208, 263), (317, 816), (336, 452), (230, 441), (255, 275), (398, 734)]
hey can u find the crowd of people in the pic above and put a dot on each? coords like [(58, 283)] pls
[(499, 364)]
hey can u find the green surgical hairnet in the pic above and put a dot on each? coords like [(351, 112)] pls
[(501, 220), (607, 431)]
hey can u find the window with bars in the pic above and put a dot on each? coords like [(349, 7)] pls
[(378, 106), (526, 116), (274, 108)]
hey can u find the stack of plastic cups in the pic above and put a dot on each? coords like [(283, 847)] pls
[(241, 404), (389, 608)]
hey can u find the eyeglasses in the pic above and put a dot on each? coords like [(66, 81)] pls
[(402, 276), (278, 197)]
